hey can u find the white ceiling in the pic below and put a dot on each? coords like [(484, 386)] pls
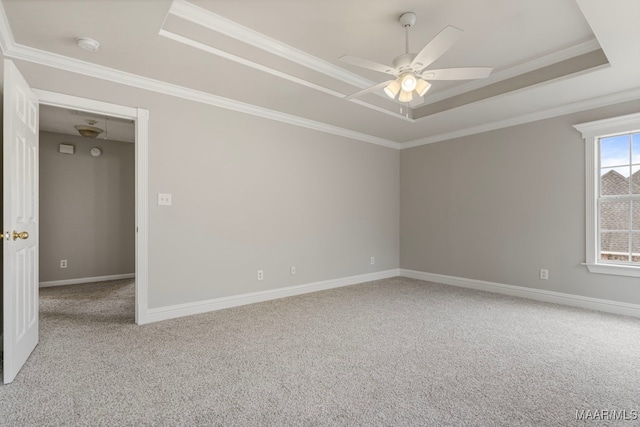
[(281, 55)]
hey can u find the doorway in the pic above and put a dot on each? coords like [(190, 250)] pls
[(140, 120), (87, 199)]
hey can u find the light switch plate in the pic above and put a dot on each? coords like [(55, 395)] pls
[(164, 199)]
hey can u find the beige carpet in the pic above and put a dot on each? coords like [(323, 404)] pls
[(387, 353)]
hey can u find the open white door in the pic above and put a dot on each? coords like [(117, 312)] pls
[(20, 239)]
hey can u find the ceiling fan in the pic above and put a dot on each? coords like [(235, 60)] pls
[(410, 69)]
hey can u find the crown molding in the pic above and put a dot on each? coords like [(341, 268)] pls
[(204, 18), (13, 50), (588, 104), (213, 22), (116, 76), (219, 24), (544, 61), (16, 51), (226, 55), (49, 59), (6, 36)]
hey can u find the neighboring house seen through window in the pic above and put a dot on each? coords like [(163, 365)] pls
[(619, 199), (613, 195)]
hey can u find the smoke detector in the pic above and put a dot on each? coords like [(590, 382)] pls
[(88, 44)]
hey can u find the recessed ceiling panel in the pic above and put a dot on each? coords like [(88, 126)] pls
[(514, 37)]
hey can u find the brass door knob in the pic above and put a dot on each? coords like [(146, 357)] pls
[(22, 235)]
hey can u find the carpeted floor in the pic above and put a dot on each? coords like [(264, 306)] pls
[(387, 353)]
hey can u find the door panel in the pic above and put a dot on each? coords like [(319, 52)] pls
[(20, 202)]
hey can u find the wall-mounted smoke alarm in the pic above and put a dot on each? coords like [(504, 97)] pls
[(88, 44), (66, 148), (95, 152)]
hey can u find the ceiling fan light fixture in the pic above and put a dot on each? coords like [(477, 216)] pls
[(409, 70), (408, 82), (405, 96), (88, 131), (422, 87), (392, 89)]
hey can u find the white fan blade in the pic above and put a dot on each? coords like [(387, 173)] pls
[(365, 63), (462, 73), (369, 89), (436, 47)]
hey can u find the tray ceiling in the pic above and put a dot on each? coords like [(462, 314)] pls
[(281, 57)]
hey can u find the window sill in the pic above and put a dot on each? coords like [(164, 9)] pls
[(618, 270)]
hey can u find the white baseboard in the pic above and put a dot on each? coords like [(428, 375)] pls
[(86, 280), (536, 294), (180, 310)]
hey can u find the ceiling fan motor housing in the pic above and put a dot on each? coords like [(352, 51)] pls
[(410, 69), (403, 62)]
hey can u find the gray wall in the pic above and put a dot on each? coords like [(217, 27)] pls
[(500, 205), (249, 194), (87, 208)]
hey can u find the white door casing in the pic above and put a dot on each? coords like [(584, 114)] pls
[(20, 202)]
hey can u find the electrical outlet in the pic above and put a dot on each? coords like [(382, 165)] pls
[(293, 270), (544, 274), (373, 260), (164, 199), (63, 263), (260, 274)]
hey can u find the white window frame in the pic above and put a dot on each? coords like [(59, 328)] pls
[(592, 132)]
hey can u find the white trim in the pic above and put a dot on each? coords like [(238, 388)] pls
[(141, 118), (25, 53), (591, 132), (616, 270), (13, 50), (587, 104), (206, 48), (592, 185), (6, 36), (205, 18), (610, 126), (120, 77), (89, 105), (187, 309), (527, 67), (529, 293), (86, 280), (198, 307), (142, 215), (217, 23)]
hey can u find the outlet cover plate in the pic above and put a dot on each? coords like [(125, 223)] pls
[(164, 199)]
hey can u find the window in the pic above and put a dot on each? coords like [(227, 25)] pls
[(619, 198), (613, 195)]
